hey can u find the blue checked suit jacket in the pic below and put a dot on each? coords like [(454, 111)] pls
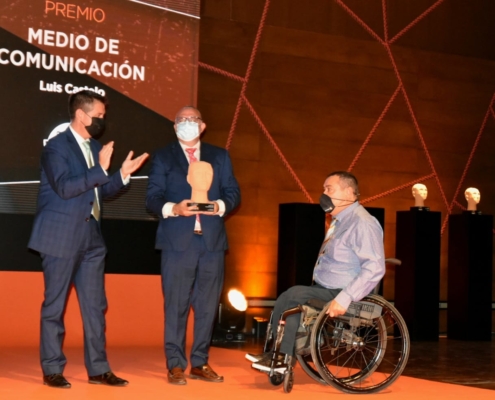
[(168, 183), (66, 194)]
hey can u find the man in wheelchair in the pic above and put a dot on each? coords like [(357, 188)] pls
[(350, 264)]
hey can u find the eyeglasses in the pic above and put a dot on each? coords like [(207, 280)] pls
[(178, 120)]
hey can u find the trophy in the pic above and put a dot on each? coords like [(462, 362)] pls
[(200, 176)]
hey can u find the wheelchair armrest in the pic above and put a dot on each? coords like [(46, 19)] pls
[(393, 261)]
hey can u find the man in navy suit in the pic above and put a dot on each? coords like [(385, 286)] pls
[(66, 233), (193, 249)]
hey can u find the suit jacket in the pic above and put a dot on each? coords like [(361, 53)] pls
[(168, 183), (66, 195)]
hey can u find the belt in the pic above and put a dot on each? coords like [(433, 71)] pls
[(198, 232)]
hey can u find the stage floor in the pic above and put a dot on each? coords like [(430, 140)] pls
[(144, 367), (436, 370)]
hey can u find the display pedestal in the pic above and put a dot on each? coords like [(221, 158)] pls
[(469, 308), (417, 280), (301, 229)]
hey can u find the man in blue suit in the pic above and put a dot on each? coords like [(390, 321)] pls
[(66, 233), (193, 248)]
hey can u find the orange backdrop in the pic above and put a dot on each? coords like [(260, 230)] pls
[(134, 316)]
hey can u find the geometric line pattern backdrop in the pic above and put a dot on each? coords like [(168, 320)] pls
[(392, 34)]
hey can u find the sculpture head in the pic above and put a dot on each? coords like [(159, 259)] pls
[(473, 198), (419, 192)]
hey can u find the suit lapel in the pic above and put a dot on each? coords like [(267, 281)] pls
[(75, 147), (206, 154), (94, 151), (95, 154), (180, 157)]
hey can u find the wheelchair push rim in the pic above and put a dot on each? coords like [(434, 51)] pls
[(307, 364), (362, 353)]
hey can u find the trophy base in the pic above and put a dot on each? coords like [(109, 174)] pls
[(203, 206)]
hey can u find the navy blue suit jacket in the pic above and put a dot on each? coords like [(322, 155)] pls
[(168, 183), (66, 194)]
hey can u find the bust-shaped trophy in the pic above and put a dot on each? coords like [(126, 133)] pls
[(420, 192), (200, 176), (473, 198)]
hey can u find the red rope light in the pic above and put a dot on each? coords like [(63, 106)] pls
[(243, 100), (455, 202), (277, 149), (424, 14), (401, 86), (373, 130), (360, 22), (470, 159), (396, 189), (248, 73), (386, 42), (385, 24), (473, 150), (221, 72)]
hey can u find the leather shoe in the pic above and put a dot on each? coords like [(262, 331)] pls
[(176, 376), (56, 381), (108, 378), (205, 373)]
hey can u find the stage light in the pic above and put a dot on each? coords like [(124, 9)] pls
[(231, 318), (237, 300)]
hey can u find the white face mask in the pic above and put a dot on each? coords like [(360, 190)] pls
[(187, 131)]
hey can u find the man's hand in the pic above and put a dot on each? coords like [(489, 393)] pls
[(105, 155), (183, 209), (129, 165), (335, 309)]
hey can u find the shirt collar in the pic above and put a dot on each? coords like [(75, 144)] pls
[(347, 211), (79, 138), (184, 147), (196, 146)]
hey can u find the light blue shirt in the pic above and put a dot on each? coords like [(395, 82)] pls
[(353, 257)]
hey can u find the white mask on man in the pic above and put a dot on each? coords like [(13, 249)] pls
[(187, 131)]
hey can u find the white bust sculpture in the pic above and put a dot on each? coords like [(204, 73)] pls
[(419, 192), (472, 197)]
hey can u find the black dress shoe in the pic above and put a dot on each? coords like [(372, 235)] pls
[(56, 381), (176, 376), (108, 378), (205, 373)]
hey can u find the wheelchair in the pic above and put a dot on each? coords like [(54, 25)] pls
[(363, 351)]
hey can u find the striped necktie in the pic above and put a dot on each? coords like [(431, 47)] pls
[(190, 153)]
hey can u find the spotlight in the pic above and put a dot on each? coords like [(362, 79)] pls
[(231, 318)]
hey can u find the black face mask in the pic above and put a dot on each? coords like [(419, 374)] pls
[(326, 203), (97, 127)]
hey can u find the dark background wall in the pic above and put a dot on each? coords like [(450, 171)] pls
[(398, 92)]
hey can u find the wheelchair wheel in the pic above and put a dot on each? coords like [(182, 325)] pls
[(363, 351), (307, 364), (276, 379), (288, 382)]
